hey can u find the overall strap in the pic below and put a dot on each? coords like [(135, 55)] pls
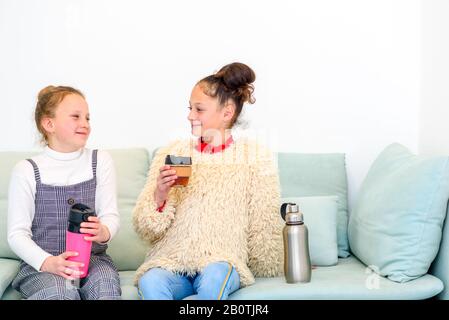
[(37, 175), (94, 162)]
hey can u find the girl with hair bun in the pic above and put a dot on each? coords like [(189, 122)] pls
[(214, 235)]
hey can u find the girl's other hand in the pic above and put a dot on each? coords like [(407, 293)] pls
[(96, 231)]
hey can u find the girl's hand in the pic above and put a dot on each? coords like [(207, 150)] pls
[(97, 231), (165, 181), (62, 267)]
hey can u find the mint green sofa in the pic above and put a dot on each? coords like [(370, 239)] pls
[(301, 175)]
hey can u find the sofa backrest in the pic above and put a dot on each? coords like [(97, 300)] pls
[(304, 174), (300, 175), (126, 249), (7, 162)]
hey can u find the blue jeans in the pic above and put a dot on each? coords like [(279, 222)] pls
[(217, 281)]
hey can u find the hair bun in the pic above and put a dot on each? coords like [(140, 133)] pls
[(236, 75), (45, 91)]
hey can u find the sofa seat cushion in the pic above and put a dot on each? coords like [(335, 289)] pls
[(349, 279), (129, 291), (11, 294), (8, 271)]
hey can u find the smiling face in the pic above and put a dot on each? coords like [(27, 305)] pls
[(69, 129), (207, 117)]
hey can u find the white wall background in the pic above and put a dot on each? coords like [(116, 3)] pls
[(434, 134), (332, 76)]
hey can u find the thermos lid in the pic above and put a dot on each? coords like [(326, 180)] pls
[(291, 214), (79, 213), (294, 218)]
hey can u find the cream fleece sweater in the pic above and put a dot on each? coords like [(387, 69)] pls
[(229, 212)]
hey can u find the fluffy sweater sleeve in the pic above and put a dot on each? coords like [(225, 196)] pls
[(149, 223), (265, 229)]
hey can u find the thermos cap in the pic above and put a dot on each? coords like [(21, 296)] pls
[(78, 214), (292, 207), (294, 218), (291, 214)]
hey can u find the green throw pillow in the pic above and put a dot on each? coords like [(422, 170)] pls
[(396, 225)]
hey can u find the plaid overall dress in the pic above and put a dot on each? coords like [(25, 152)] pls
[(52, 206)]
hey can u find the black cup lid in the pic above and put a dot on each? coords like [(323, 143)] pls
[(175, 160)]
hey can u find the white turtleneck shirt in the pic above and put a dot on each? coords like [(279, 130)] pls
[(57, 169)]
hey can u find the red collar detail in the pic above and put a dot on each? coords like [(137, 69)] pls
[(207, 148)]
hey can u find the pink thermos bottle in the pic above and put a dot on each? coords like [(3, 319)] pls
[(75, 240)]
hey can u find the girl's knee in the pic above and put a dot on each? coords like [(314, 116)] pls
[(155, 276), (102, 287), (154, 285), (217, 281), (217, 271)]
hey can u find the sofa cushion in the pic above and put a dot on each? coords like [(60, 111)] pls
[(129, 291), (7, 162), (320, 218), (349, 279), (396, 224), (8, 271), (303, 175), (11, 294), (440, 266), (131, 165)]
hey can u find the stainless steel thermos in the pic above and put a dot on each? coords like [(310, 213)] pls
[(297, 266)]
